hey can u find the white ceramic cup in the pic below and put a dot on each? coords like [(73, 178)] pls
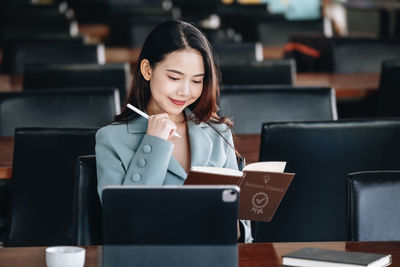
[(65, 256)]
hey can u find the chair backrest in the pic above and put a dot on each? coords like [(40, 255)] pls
[(46, 39), (362, 54), (389, 93), (279, 31), (250, 106), (57, 108), (5, 185), (23, 54), (131, 24), (266, 72), (43, 184), (374, 206), (322, 154), (87, 211), (31, 20), (231, 53), (57, 76)]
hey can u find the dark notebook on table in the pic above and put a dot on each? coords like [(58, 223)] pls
[(315, 257), (170, 226)]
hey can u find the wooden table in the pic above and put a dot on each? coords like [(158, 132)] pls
[(248, 146), (250, 255), (346, 85), (6, 156), (354, 85)]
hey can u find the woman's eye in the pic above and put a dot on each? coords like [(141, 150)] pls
[(173, 78), (197, 81)]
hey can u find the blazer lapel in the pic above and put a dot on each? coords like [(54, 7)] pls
[(137, 126), (200, 144)]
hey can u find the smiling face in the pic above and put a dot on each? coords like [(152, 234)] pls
[(175, 82)]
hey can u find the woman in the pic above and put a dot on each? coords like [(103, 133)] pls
[(176, 82)]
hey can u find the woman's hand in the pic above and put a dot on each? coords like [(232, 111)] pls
[(161, 126)]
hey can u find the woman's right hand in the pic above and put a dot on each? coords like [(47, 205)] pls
[(161, 126)]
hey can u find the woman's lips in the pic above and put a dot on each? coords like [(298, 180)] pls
[(178, 102)]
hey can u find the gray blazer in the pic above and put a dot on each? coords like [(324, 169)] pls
[(126, 155)]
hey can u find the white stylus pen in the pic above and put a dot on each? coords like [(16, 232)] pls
[(144, 115)]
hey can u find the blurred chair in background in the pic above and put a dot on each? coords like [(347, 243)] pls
[(389, 89), (59, 108), (60, 76), (131, 30), (251, 106), (277, 32), (5, 185), (27, 18), (374, 206), (276, 72), (322, 154), (87, 206), (38, 19), (234, 53), (40, 39), (23, 54), (351, 55), (131, 22), (43, 184), (90, 11)]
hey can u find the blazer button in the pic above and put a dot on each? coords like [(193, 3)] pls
[(141, 162), (136, 177), (146, 149)]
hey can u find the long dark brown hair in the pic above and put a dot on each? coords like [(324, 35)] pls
[(166, 38)]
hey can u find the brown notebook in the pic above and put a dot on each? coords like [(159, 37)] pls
[(262, 186)]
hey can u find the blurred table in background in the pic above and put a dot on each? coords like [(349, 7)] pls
[(248, 146), (354, 85), (346, 85), (6, 156)]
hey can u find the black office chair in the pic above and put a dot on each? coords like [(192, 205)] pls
[(43, 184), (250, 106), (278, 31), (87, 206), (322, 154), (29, 20), (265, 72), (4, 207), (58, 108), (61, 53), (57, 76), (362, 54), (8, 43), (128, 27), (31, 26), (389, 93), (90, 11), (243, 53), (374, 206)]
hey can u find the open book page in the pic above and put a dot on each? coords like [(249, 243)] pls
[(217, 170), (266, 166)]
